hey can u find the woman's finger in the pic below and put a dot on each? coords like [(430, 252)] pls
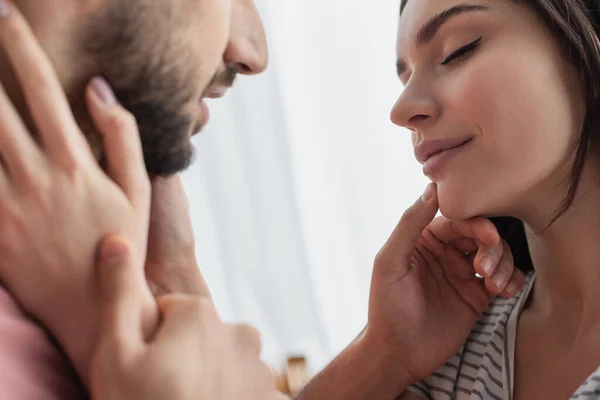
[(465, 246), (412, 224), (487, 259), (497, 282), (18, 150), (462, 233), (515, 284), (43, 92), (122, 145), (121, 318)]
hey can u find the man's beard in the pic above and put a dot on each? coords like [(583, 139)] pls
[(164, 133), (148, 77)]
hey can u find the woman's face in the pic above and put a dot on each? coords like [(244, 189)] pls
[(489, 77)]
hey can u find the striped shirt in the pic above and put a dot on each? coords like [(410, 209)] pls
[(483, 368)]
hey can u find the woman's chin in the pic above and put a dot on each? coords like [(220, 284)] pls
[(457, 207), (455, 214)]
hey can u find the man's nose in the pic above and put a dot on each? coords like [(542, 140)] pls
[(247, 46)]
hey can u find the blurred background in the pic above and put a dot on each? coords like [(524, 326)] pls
[(300, 177)]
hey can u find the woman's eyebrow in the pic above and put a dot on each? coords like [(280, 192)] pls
[(428, 31)]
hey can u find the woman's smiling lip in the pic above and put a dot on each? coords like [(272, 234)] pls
[(433, 153)]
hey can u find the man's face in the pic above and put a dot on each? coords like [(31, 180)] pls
[(162, 57)]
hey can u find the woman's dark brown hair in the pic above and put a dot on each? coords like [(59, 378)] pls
[(576, 25)]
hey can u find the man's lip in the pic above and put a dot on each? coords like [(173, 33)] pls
[(431, 147), (211, 93), (215, 93)]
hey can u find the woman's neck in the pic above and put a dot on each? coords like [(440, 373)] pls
[(566, 258)]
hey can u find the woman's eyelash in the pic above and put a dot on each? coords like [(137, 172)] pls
[(463, 51)]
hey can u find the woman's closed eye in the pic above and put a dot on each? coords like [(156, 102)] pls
[(462, 52)]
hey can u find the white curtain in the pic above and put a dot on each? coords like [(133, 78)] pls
[(300, 177)]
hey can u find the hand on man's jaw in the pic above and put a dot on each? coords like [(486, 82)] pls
[(57, 204)]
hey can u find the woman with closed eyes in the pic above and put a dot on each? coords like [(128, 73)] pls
[(503, 102), (502, 98)]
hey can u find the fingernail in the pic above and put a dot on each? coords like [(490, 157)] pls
[(512, 288), (112, 252), (103, 90), (487, 266), (4, 9), (499, 280), (429, 192)]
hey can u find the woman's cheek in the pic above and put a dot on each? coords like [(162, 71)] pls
[(478, 105)]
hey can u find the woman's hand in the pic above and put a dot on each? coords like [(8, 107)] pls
[(425, 297), (56, 203), (192, 354)]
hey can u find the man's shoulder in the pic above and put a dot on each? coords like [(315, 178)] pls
[(31, 366)]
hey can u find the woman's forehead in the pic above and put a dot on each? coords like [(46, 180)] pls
[(423, 18), (419, 11), (420, 20)]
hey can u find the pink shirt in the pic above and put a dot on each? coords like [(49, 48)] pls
[(31, 366)]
